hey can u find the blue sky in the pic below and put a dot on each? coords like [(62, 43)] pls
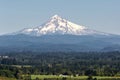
[(102, 15)]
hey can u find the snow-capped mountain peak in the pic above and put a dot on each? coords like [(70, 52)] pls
[(56, 17), (57, 25)]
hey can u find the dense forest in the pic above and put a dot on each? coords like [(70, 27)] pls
[(57, 63)]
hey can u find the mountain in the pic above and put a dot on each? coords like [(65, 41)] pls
[(57, 25), (58, 34)]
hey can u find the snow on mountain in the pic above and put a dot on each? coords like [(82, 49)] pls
[(57, 25)]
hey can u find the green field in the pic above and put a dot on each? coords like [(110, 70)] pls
[(42, 77), (55, 77)]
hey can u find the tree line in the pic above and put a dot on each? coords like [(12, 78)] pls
[(65, 63)]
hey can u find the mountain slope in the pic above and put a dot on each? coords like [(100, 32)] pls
[(58, 43)]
